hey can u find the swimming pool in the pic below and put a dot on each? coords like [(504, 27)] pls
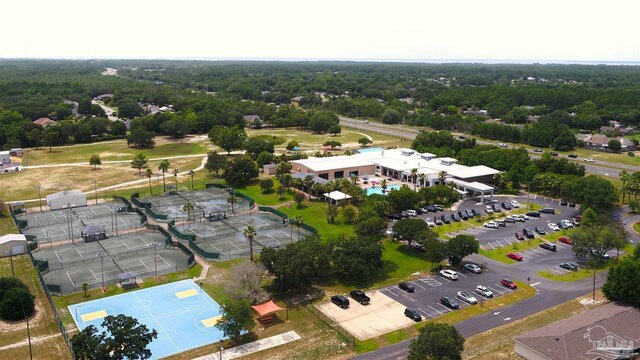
[(378, 189)]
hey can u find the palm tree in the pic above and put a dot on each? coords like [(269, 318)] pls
[(232, 200), (442, 175), (421, 178), (355, 179), (298, 221), (188, 208), (192, 173), (149, 173), (414, 177), (250, 234), (383, 185), (318, 189), (175, 178), (624, 176), (308, 182), (164, 167)]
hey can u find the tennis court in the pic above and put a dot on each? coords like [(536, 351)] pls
[(182, 313), (172, 204), (226, 236), (144, 253), (65, 224)]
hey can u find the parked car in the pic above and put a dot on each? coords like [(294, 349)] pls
[(463, 215), (553, 153), (340, 300), (565, 240), (575, 222), (449, 274), (488, 209), (563, 202), (540, 230), (589, 159), (439, 207), (430, 222), (514, 256), (515, 204), (411, 213), (449, 302), (519, 218), (455, 217), (548, 211), (548, 246), (360, 297), (506, 205), (537, 150), (528, 233), (476, 213), (568, 223), (501, 223), (496, 208), (437, 220), (553, 227), (490, 225), (484, 291), (423, 210), (508, 283), (569, 266), (406, 287), (572, 204), (502, 145), (445, 218), (474, 268), (467, 297), (419, 247), (509, 219), (573, 156), (579, 217), (562, 225), (431, 208), (534, 214), (395, 216), (519, 235), (413, 314)]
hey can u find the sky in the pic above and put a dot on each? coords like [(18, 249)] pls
[(402, 30)]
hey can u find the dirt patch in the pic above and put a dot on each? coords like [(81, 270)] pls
[(8, 326), (382, 315), (161, 140)]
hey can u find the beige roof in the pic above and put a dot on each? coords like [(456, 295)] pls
[(45, 122)]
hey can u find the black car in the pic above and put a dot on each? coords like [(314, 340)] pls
[(475, 213), (463, 215), (445, 218), (540, 230), (569, 266), (572, 204), (553, 153), (506, 206), (449, 302), (413, 314), (431, 208), (340, 300), (406, 287), (548, 246), (563, 202), (533, 214), (528, 233), (537, 150), (360, 297), (548, 211), (395, 216), (455, 217), (573, 156)]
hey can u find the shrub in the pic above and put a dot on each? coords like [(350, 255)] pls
[(631, 153), (17, 303)]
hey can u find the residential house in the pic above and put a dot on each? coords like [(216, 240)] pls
[(44, 122)]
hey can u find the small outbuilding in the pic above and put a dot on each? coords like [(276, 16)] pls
[(269, 169), (5, 158), (214, 212), (93, 232), (66, 199), (335, 197), (12, 244)]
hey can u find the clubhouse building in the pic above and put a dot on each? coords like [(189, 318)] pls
[(469, 181)]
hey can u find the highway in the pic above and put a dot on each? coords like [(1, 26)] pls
[(596, 167)]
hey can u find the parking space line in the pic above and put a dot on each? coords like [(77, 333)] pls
[(430, 307), (431, 282), (461, 274), (426, 313), (414, 283), (444, 307), (389, 291), (496, 290)]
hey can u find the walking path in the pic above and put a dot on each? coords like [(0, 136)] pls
[(252, 347), (34, 340)]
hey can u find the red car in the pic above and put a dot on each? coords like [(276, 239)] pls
[(514, 256), (519, 235), (508, 283), (565, 240), (579, 217)]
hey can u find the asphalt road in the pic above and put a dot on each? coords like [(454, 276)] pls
[(596, 167)]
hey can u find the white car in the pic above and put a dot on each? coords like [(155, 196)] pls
[(411, 213), (519, 218), (554, 227), (503, 145), (449, 274), (482, 290), (515, 204), (430, 222), (466, 297), (490, 225), (488, 209), (589, 160), (568, 223)]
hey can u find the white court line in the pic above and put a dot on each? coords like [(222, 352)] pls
[(72, 283), (92, 273)]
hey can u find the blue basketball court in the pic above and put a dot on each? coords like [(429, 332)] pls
[(182, 313)]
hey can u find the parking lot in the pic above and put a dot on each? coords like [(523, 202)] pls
[(429, 290)]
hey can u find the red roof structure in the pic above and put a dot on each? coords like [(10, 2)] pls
[(267, 308)]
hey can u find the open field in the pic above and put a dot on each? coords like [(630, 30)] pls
[(118, 150), (40, 324), (20, 185)]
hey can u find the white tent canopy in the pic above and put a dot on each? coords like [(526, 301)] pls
[(337, 195)]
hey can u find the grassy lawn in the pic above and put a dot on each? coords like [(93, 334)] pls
[(270, 198), (605, 157), (314, 213), (41, 324), (451, 317), (116, 150), (498, 343), (20, 185), (636, 227), (7, 226)]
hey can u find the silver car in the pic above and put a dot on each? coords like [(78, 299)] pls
[(482, 290), (466, 297)]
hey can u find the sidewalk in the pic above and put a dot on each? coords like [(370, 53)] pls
[(259, 345)]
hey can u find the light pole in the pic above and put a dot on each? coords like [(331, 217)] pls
[(95, 189), (155, 266), (102, 254), (13, 274), (484, 268), (221, 348), (39, 188), (114, 209)]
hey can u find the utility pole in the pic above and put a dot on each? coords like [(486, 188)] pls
[(95, 187), (39, 188)]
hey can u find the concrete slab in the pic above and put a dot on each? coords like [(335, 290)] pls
[(253, 347)]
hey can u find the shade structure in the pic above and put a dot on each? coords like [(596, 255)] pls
[(266, 309)]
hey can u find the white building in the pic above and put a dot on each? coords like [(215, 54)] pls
[(469, 181), (12, 244), (5, 157), (65, 199)]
